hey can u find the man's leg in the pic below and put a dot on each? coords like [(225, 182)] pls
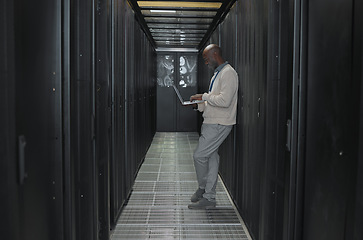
[(212, 177), (206, 158)]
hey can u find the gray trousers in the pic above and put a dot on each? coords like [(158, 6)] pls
[(206, 158)]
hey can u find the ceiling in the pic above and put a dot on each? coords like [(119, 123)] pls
[(180, 24)]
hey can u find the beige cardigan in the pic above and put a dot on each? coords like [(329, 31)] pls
[(220, 106)]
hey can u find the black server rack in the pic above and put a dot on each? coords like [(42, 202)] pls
[(79, 115), (284, 180), (9, 168)]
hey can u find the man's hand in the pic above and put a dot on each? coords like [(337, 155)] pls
[(196, 97)]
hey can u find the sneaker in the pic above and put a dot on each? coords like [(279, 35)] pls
[(197, 195), (202, 204)]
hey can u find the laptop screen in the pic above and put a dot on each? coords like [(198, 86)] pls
[(178, 93)]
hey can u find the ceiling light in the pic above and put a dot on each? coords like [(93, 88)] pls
[(163, 11), (179, 4)]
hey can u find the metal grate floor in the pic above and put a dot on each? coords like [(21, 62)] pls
[(158, 205)]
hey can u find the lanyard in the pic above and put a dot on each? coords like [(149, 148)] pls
[(211, 85)]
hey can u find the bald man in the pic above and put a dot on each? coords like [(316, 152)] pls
[(219, 114)]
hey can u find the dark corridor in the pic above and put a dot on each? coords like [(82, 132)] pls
[(81, 105)]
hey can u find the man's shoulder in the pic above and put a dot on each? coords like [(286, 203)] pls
[(229, 69)]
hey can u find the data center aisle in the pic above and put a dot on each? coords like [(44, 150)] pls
[(157, 208)]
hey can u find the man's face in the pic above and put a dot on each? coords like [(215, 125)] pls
[(209, 59)]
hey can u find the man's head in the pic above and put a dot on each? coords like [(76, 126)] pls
[(212, 56)]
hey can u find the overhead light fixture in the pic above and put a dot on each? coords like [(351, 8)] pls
[(163, 11), (179, 4)]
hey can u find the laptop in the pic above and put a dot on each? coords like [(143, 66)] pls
[(185, 102)]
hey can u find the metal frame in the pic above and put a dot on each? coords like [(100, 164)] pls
[(181, 9), (298, 123), (176, 50), (66, 121), (178, 16), (210, 27), (221, 14), (141, 20), (176, 23), (183, 29)]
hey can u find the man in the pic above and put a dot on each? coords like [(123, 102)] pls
[(219, 113)]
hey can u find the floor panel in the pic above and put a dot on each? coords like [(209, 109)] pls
[(157, 208)]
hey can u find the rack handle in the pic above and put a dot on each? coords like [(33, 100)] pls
[(21, 152)]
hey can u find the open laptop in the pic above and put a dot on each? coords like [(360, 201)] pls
[(185, 102)]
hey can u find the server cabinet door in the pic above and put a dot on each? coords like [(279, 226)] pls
[(103, 113), (38, 118), (332, 103), (83, 161), (117, 196), (166, 106), (186, 82), (8, 162), (179, 69)]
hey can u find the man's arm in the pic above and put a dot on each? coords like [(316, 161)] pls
[(200, 106), (229, 86)]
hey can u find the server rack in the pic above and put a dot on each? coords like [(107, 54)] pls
[(269, 161), (72, 95), (9, 177)]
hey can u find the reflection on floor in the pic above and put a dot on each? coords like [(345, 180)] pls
[(157, 208)]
